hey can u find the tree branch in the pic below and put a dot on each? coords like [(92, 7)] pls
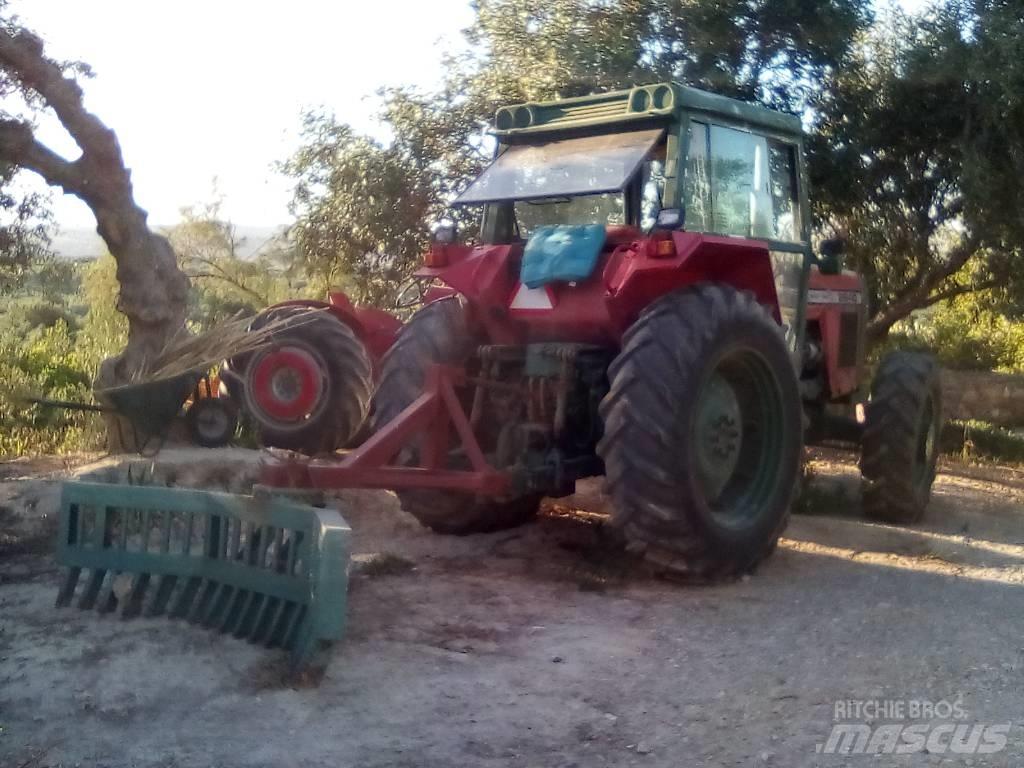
[(22, 56), (219, 273), (18, 146), (958, 290), (918, 296)]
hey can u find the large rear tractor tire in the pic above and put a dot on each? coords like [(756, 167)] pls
[(702, 434), (439, 333), (308, 391), (900, 444)]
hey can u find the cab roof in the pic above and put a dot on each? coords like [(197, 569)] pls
[(635, 105)]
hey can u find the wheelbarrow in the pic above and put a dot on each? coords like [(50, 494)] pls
[(150, 408)]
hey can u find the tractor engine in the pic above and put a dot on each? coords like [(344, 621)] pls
[(535, 407)]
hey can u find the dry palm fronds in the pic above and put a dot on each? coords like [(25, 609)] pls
[(185, 352)]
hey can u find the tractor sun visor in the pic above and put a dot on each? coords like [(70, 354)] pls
[(579, 166)]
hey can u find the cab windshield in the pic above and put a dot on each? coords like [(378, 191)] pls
[(607, 208), (609, 179)]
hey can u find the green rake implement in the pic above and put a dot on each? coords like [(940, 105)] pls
[(262, 568)]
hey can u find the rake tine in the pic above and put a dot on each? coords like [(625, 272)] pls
[(288, 638), (253, 608), (107, 601), (67, 589), (218, 606), (183, 605), (270, 610), (164, 588), (201, 604), (277, 626), (133, 603), (235, 610), (92, 589)]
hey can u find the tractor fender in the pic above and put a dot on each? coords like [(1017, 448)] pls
[(376, 328), (634, 279)]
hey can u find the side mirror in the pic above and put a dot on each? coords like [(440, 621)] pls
[(669, 218), (830, 262)]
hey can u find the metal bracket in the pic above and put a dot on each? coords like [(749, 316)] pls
[(430, 418)]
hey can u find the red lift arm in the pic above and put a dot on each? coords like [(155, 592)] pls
[(431, 417)]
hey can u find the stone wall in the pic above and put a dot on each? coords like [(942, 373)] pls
[(997, 398)]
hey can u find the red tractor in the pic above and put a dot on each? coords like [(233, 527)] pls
[(643, 303)]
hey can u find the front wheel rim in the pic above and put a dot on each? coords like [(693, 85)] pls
[(924, 450), (739, 437)]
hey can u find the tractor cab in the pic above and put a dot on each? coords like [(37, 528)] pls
[(596, 173)]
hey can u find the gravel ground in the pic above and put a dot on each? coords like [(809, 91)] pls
[(539, 647)]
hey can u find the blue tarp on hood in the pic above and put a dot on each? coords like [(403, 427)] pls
[(561, 253)]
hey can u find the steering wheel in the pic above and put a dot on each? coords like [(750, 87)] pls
[(411, 292)]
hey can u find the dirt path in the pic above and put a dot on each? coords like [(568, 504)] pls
[(536, 647)]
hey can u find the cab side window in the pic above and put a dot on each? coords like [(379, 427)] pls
[(739, 183), (786, 224)]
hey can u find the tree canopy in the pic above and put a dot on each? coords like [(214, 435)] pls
[(918, 154), (915, 125)]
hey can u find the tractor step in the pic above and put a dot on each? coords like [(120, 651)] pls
[(261, 568)]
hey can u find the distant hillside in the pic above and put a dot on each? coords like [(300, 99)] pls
[(83, 243)]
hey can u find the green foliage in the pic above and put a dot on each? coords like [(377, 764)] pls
[(223, 283), (25, 223), (361, 208), (52, 350), (972, 440), (45, 364), (918, 156), (62, 321), (969, 332)]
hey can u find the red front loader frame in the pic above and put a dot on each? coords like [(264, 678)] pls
[(430, 417)]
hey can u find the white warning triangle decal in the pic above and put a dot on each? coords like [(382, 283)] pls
[(532, 298)]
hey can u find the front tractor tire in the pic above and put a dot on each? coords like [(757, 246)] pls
[(439, 333), (900, 443), (309, 389), (702, 434)]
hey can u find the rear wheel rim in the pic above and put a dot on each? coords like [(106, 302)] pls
[(924, 453), (739, 438), (287, 386)]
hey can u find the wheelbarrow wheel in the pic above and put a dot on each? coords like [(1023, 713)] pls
[(212, 421), (308, 391), (438, 333)]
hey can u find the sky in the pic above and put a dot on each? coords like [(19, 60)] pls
[(198, 90)]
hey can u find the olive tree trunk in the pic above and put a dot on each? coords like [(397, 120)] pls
[(153, 290)]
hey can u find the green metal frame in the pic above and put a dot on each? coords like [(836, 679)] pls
[(264, 568)]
